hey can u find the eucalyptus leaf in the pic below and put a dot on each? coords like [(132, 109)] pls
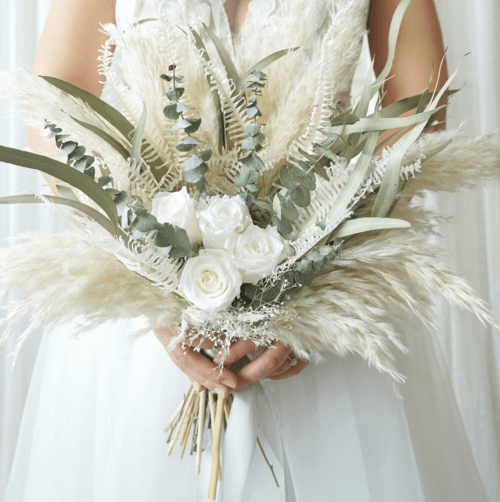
[(77, 153), (174, 94), (145, 222), (180, 245), (68, 147), (284, 226), (286, 177), (252, 187), (253, 161), (288, 209), (253, 129), (301, 196), (172, 112), (164, 236), (189, 144), (84, 163), (193, 162), (64, 173), (110, 114), (205, 155)]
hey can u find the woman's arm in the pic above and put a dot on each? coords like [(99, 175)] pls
[(68, 49), (419, 50)]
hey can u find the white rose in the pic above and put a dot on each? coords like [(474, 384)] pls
[(222, 217), (256, 252), (210, 281), (178, 208)]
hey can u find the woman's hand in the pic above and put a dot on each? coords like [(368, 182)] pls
[(277, 363), (202, 372)]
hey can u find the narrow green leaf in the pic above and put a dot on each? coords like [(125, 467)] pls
[(360, 225), (110, 114), (106, 137), (135, 151), (397, 19), (224, 55), (355, 179), (390, 182), (384, 124), (87, 210), (64, 173), (261, 65)]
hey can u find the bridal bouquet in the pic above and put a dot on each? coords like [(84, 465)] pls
[(240, 204)]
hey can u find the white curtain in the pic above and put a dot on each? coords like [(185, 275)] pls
[(472, 351), (21, 22)]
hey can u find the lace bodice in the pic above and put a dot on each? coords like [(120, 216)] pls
[(271, 16)]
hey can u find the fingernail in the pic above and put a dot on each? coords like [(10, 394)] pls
[(199, 388), (229, 383)]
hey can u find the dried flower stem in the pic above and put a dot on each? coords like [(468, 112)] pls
[(201, 429), (217, 433)]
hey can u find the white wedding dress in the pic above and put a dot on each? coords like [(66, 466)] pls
[(92, 429)]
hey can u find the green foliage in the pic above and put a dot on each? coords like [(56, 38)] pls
[(112, 116), (195, 167)]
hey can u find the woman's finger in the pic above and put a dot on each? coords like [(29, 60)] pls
[(240, 348), (292, 371), (263, 365), (197, 366), (287, 364)]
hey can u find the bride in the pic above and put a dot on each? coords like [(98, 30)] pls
[(92, 426)]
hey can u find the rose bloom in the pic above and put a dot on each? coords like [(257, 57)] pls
[(178, 208), (256, 252), (221, 217), (210, 281)]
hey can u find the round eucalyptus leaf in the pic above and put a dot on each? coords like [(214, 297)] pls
[(305, 179), (175, 94), (253, 161), (104, 180), (120, 198), (182, 107), (77, 153), (194, 125), (288, 209), (252, 129), (189, 144), (242, 177), (145, 222), (182, 124), (193, 162), (83, 163), (166, 77), (286, 177), (90, 171), (180, 79), (249, 198), (171, 112), (164, 235), (205, 155), (180, 245), (252, 188), (60, 139), (253, 111), (301, 196), (68, 147), (284, 226)]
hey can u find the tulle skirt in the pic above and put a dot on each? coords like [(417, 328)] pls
[(92, 430)]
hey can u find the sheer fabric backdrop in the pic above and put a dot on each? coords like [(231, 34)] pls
[(472, 351)]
